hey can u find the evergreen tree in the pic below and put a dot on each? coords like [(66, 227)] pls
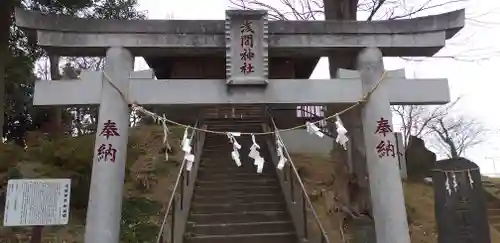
[(17, 59)]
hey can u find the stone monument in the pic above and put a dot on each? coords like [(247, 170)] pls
[(460, 204)]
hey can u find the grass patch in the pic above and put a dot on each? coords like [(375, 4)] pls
[(148, 181), (318, 174)]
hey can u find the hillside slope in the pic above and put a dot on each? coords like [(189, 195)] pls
[(149, 183), (318, 176), (145, 191)]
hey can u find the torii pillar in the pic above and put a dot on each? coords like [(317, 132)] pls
[(386, 189), (110, 152)]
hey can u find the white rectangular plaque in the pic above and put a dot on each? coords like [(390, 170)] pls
[(246, 47), (37, 202)]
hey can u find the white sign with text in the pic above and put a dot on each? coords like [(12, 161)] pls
[(32, 202), (247, 47)]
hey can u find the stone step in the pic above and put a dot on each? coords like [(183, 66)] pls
[(236, 120), (238, 187), (494, 220), (493, 204), (223, 160), (225, 153), (245, 137), (236, 207), (232, 172), (245, 168), (234, 191), (216, 185), (493, 211), (254, 182), (223, 144), (239, 217), (245, 198), (221, 128), (235, 174), (202, 175), (216, 146), (231, 165), (241, 228), (236, 123), (282, 237)]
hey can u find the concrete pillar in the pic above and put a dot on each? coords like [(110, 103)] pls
[(382, 162), (110, 152)]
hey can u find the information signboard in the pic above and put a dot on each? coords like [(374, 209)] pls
[(32, 202)]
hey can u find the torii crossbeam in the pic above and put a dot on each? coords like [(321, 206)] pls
[(149, 91)]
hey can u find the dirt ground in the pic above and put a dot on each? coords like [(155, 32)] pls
[(156, 176), (318, 176)]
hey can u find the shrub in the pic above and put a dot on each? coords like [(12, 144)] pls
[(136, 225)]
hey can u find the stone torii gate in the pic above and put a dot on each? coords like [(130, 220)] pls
[(248, 41)]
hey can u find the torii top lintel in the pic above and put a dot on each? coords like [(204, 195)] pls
[(83, 37)]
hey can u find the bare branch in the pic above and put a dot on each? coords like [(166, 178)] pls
[(454, 135), (375, 9), (450, 134)]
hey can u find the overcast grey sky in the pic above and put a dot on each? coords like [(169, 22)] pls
[(475, 81)]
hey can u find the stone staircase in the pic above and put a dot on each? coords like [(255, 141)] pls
[(236, 204), (493, 204)]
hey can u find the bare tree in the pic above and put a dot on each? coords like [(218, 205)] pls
[(449, 133), (343, 9), (417, 119), (379, 10), (453, 135)]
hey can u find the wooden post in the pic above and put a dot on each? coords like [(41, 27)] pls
[(36, 234)]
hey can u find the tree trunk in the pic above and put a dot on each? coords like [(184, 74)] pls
[(358, 189), (453, 149), (341, 10), (6, 7), (55, 123)]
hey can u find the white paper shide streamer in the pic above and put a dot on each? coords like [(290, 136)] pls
[(447, 183), (235, 155), (451, 182), (254, 149), (313, 129), (455, 182), (255, 155), (342, 138), (166, 131), (186, 147), (471, 181), (279, 150), (158, 119)]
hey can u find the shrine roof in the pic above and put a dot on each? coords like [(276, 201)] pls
[(161, 41), (450, 22)]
